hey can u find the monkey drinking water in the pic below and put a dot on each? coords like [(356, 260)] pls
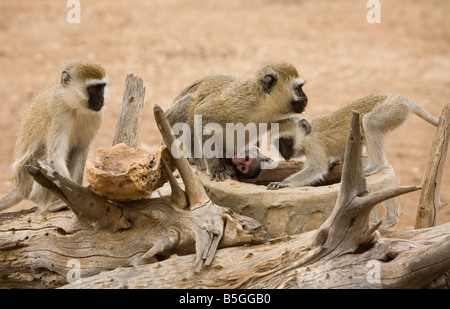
[(325, 138), (249, 164), (58, 128), (274, 92)]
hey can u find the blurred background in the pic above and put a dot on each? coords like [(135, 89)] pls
[(170, 43)]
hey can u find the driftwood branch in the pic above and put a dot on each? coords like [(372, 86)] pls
[(193, 186), (129, 122), (345, 252), (429, 202)]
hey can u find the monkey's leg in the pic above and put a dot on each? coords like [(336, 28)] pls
[(376, 125), (11, 199), (44, 198), (49, 201), (76, 165)]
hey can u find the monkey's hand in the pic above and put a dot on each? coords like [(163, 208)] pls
[(218, 175), (217, 170), (275, 185)]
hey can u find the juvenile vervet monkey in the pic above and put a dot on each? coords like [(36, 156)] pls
[(325, 138), (249, 164), (274, 92), (58, 127)]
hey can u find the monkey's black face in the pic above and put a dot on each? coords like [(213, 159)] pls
[(285, 147), (96, 96), (299, 105)]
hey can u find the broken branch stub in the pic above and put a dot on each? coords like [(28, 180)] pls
[(194, 189), (88, 206), (348, 225), (429, 202), (129, 122)]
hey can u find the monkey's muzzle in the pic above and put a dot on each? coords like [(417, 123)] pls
[(300, 104)]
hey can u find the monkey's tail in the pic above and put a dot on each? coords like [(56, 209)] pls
[(422, 113), (11, 199)]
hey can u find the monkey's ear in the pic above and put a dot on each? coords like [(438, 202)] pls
[(65, 78), (268, 82), (305, 125)]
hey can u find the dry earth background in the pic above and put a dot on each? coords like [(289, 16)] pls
[(170, 43)]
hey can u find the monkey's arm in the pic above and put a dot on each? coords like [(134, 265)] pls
[(316, 166), (220, 168), (76, 164), (58, 148)]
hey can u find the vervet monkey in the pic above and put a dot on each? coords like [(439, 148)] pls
[(58, 127), (274, 92), (249, 164), (325, 138)]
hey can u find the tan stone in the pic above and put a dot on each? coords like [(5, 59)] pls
[(121, 173), (296, 210)]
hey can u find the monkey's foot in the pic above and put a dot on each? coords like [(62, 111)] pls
[(276, 185)]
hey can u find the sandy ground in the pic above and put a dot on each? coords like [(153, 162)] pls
[(169, 43)]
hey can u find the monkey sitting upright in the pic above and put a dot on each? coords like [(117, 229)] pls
[(274, 92), (325, 138), (58, 127)]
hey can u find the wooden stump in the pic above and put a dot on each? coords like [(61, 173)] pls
[(296, 210)]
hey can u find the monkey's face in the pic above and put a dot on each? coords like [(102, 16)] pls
[(96, 94), (285, 87), (286, 147), (249, 163), (300, 100), (84, 85), (292, 137)]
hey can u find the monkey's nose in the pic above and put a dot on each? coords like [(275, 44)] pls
[(300, 104)]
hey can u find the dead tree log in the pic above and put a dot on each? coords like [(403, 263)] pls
[(40, 249), (129, 122), (429, 202), (345, 252)]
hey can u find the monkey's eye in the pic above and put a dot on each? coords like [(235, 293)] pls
[(243, 168), (246, 158), (95, 89)]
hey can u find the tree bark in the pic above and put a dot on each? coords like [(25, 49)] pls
[(429, 202), (129, 122)]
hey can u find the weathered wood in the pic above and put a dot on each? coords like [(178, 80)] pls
[(194, 188), (37, 249), (129, 122), (284, 263), (34, 245), (297, 210), (345, 252), (429, 202), (89, 207)]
